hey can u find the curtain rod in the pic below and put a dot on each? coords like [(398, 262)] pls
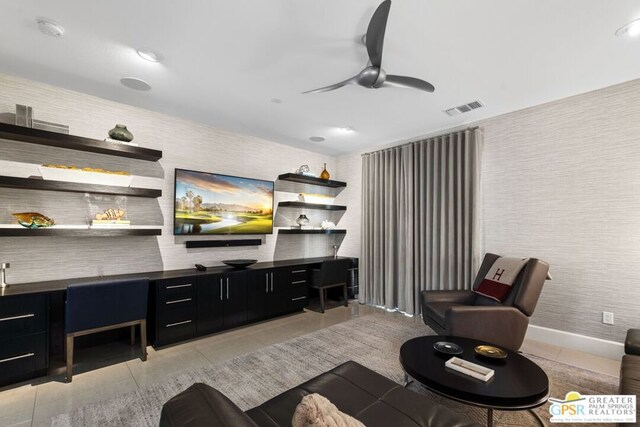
[(418, 140)]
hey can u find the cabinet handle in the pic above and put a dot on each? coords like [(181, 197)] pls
[(227, 288), (298, 299), (298, 281), (22, 356), (221, 289), (176, 301), (22, 316), (188, 285), (271, 282), (169, 325), (266, 282), (298, 271)]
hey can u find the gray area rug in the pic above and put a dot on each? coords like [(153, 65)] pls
[(373, 341)]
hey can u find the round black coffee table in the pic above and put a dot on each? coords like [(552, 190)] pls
[(518, 383)]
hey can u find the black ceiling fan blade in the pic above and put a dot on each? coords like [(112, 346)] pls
[(335, 86), (375, 33), (409, 82)]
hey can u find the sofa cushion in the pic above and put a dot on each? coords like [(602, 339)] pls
[(366, 396), (316, 410)]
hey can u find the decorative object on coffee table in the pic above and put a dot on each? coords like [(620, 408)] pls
[(490, 351), (518, 383), (302, 220), (325, 174), (446, 347), (121, 133), (33, 220), (239, 263)]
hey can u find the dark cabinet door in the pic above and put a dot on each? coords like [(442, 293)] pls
[(210, 303), (235, 299), (259, 289)]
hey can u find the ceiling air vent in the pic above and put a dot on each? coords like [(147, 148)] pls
[(473, 105)]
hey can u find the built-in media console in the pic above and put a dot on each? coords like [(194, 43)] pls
[(183, 304)]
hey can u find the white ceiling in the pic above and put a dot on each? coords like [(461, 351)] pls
[(226, 60)]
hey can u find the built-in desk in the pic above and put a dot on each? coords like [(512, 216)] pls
[(183, 304)]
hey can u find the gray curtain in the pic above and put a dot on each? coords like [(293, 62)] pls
[(420, 219)]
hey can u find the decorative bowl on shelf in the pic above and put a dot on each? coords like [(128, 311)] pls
[(239, 263), (85, 177)]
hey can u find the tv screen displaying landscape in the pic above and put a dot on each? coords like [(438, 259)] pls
[(208, 203)]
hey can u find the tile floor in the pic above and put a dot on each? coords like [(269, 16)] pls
[(107, 371)]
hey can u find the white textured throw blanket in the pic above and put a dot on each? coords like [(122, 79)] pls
[(499, 279), (316, 410)]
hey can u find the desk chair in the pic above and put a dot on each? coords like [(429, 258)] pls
[(97, 307), (331, 274)]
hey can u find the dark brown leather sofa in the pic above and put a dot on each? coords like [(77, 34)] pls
[(630, 367), (354, 389)]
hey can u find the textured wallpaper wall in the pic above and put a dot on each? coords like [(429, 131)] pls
[(561, 182), (185, 144)]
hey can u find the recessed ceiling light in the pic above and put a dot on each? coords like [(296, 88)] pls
[(346, 129), (150, 55), (135, 83), (316, 138), (276, 100), (50, 28), (632, 29)]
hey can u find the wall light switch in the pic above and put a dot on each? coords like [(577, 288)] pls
[(607, 318)]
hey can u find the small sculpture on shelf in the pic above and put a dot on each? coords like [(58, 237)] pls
[(33, 220), (303, 170), (327, 225), (121, 133), (301, 197), (110, 215), (111, 218), (302, 220)]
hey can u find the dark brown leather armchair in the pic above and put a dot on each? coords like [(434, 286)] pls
[(467, 314)]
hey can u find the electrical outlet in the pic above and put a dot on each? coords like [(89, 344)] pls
[(607, 318)]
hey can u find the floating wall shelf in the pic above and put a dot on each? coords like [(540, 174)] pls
[(303, 205), (295, 183), (78, 143), (74, 187), (297, 231), (79, 232), (303, 179)]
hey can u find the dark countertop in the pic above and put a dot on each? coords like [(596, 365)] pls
[(61, 285)]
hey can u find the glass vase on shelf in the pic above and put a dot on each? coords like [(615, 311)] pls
[(325, 174)]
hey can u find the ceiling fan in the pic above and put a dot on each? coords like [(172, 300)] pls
[(374, 76)]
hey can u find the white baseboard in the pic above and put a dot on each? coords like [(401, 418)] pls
[(599, 347)]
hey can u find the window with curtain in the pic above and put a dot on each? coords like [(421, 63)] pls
[(420, 219)]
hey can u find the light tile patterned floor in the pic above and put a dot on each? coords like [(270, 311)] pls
[(110, 370)]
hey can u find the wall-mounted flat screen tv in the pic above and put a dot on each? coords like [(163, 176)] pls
[(210, 203)]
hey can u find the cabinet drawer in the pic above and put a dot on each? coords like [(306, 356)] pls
[(175, 289), (298, 276), (176, 323), (22, 315), (298, 299), (23, 357)]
